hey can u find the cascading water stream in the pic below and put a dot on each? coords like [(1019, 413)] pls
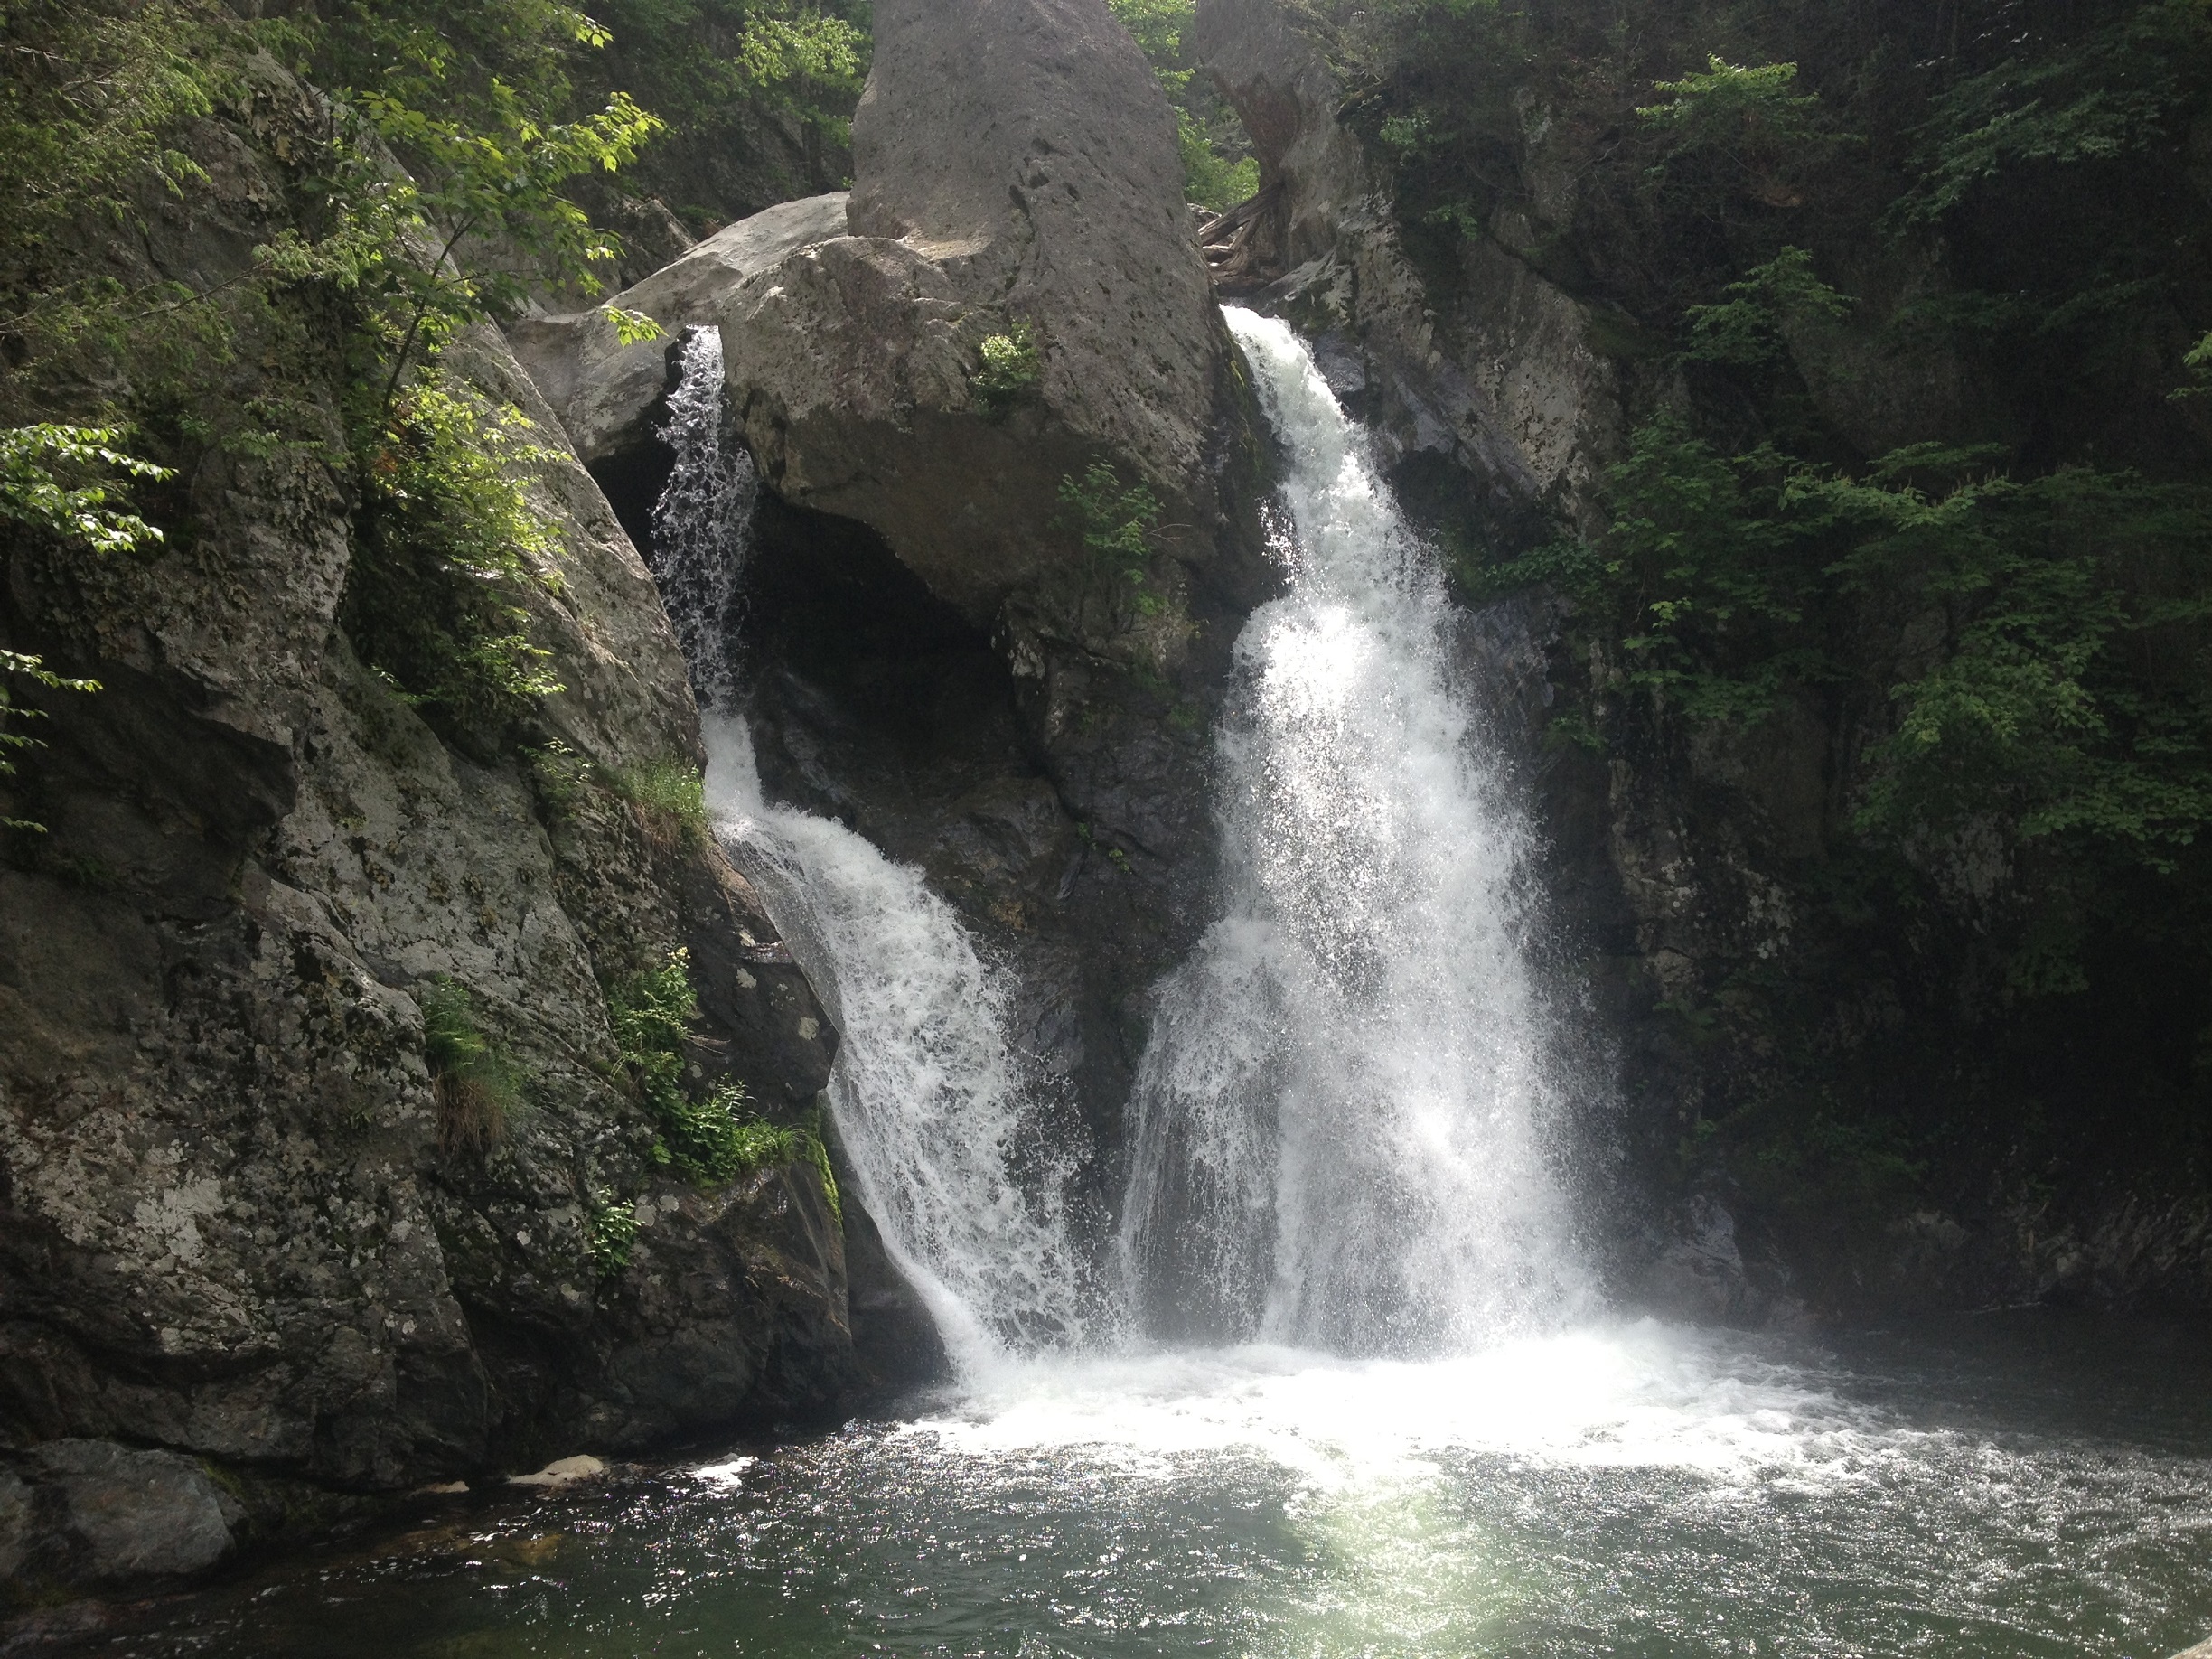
[(1340, 1118), (1342, 1114), (927, 1096), (700, 522)]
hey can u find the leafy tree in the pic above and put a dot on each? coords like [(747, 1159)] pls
[(1116, 523), (1218, 168), (65, 482), (2110, 93), (1743, 328)]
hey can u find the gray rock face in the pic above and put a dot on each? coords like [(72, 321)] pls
[(1704, 1275), (1024, 146), (1503, 382), (15, 1525), (1015, 168), (604, 390), (236, 1219), (1045, 758)]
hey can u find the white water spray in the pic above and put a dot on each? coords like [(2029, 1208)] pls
[(927, 1095), (928, 1098), (1340, 1119)]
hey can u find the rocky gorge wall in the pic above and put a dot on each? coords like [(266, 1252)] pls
[(257, 1258), (1695, 874)]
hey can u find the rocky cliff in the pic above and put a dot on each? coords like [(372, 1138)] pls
[(263, 1239), (1825, 1100)]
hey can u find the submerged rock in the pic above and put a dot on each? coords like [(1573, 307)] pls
[(120, 1514)]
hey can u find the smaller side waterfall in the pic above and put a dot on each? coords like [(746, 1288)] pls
[(929, 1099), (928, 1096), (697, 552)]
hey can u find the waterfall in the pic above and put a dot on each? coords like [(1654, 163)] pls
[(928, 1096), (1340, 1118), (698, 551)]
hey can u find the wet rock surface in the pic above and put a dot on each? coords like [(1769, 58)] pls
[(124, 1514)]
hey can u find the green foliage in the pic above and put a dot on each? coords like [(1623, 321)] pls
[(1011, 367), (22, 666), (2110, 94), (2070, 698), (613, 1225), (484, 215), (92, 96), (2065, 694), (632, 327), (1732, 134), (1743, 114), (59, 481), (653, 1014), (449, 542), (671, 797), (1116, 523), (1700, 576), (478, 1088), (1218, 168), (710, 1136), (814, 1146), (705, 64), (1743, 330), (63, 480)]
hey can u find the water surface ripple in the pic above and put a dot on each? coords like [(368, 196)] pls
[(2020, 1489)]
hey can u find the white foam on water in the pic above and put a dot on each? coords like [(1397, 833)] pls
[(1632, 1396)]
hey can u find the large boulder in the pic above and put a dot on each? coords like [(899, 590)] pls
[(1016, 176), (602, 390)]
